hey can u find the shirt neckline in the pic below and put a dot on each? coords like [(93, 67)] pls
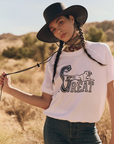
[(81, 50)]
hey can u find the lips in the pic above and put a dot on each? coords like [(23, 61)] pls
[(63, 35)]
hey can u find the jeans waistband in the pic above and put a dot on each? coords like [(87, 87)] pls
[(79, 125)]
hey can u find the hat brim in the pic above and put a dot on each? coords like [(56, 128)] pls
[(79, 12)]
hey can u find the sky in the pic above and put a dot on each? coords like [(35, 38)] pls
[(23, 16)]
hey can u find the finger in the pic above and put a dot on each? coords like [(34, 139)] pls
[(2, 78), (2, 83), (4, 73)]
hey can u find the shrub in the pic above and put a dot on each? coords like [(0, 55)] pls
[(52, 48), (21, 110), (10, 52), (28, 40), (32, 48), (95, 35)]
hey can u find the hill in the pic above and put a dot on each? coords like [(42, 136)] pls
[(9, 40), (107, 27)]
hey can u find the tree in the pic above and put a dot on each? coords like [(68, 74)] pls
[(96, 35)]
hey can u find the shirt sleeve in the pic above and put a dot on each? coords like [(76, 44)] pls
[(47, 83), (109, 64)]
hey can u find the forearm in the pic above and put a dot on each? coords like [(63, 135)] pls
[(110, 100), (28, 98)]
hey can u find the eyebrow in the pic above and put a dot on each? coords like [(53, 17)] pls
[(56, 22), (58, 19)]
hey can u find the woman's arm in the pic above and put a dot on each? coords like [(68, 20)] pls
[(39, 101), (110, 100)]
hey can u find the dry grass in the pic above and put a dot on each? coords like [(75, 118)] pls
[(21, 123), (104, 126)]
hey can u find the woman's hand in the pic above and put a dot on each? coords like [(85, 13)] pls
[(5, 81)]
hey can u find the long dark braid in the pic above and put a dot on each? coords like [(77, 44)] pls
[(83, 43), (57, 59)]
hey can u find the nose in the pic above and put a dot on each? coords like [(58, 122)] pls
[(59, 30)]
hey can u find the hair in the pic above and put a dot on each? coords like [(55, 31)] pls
[(57, 59), (83, 42), (83, 45)]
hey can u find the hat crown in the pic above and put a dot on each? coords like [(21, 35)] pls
[(54, 9)]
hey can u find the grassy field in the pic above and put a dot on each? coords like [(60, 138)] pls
[(21, 123)]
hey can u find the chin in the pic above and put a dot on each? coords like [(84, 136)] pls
[(65, 39)]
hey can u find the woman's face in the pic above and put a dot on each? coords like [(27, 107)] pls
[(63, 28)]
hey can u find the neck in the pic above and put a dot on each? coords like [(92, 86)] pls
[(73, 45), (75, 40)]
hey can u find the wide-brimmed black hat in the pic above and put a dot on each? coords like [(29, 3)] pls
[(56, 10)]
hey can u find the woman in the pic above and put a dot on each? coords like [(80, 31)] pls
[(77, 80)]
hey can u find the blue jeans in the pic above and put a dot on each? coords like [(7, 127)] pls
[(64, 132)]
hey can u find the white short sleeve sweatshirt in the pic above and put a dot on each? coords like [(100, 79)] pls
[(80, 88)]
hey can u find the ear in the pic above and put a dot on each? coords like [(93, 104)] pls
[(71, 18)]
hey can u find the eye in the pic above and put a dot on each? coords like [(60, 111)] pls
[(53, 30), (61, 22)]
